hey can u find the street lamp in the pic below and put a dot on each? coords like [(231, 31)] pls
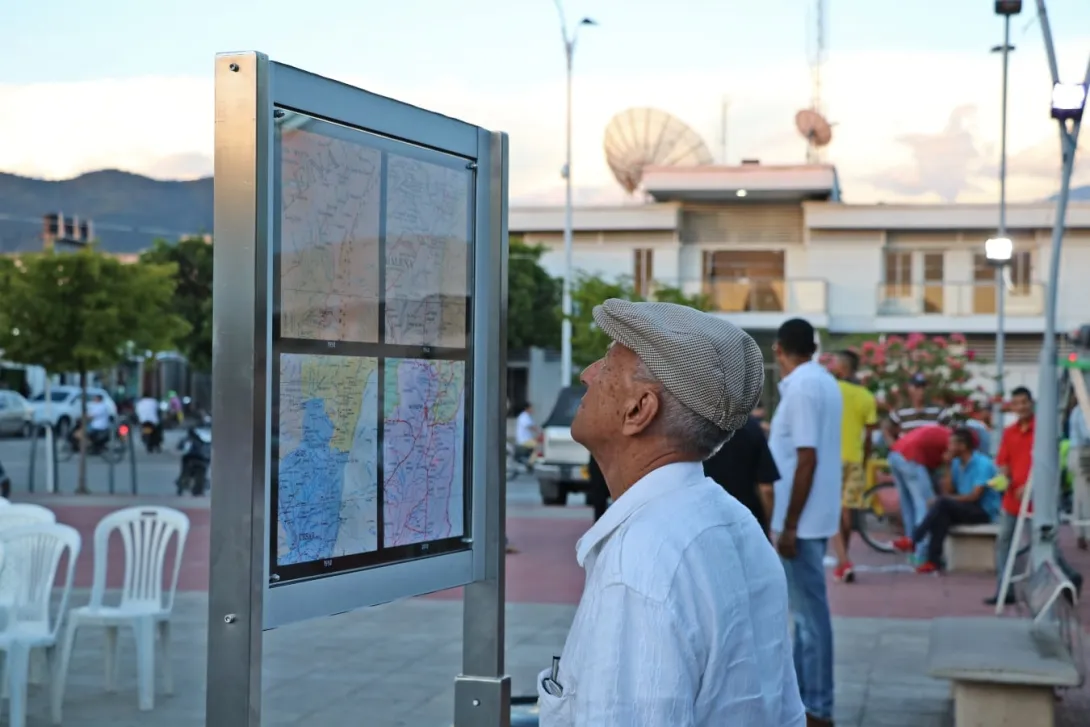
[(570, 38), (1067, 108), (998, 250)]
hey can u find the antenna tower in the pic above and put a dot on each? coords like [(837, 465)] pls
[(817, 61)]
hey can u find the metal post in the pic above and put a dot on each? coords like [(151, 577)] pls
[(566, 308), (237, 574), (1000, 277), (50, 445), (33, 460), (132, 459), (482, 693), (1045, 471)]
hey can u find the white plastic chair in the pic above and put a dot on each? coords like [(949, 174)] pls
[(32, 556), (4, 502), (144, 605), (20, 514)]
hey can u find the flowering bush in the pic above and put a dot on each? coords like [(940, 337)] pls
[(887, 364)]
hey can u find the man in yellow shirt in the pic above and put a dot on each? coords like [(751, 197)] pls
[(859, 420)]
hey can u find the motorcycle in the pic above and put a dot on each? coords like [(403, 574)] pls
[(108, 444), (520, 460), (196, 450), (151, 434)]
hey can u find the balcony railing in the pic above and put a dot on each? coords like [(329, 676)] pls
[(958, 299), (752, 295)]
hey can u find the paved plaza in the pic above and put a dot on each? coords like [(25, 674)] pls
[(395, 665)]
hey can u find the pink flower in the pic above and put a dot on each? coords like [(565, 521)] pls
[(957, 338), (939, 341), (970, 354), (869, 346)]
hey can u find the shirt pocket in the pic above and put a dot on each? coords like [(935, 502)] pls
[(554, 711)]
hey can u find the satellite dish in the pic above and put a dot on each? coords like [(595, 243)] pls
[(817, 131), (644, 137)]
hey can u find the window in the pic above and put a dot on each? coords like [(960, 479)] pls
[(1020, 270), (643, 271), (933, 287), (898, 274), (745, 280)]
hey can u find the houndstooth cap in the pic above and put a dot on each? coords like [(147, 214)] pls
[(711, 366)]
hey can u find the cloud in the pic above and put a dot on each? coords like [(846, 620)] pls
[(904, 130)]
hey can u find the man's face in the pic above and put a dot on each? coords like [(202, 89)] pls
[(616, 404), (1022, 406), (915, 394), (957, 447)]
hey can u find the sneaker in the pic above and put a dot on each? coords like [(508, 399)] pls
[(844, 573), (927, 567), (904, 544)]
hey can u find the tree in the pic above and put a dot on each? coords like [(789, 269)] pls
[(192, 258), (886, 365), (80, 311), (533, 299), (588, 341)]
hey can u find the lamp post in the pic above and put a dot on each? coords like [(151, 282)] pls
[(1068, 102), (569, 37), (1000, 243)]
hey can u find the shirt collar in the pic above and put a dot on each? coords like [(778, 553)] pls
[(656, 483), (803, 368)]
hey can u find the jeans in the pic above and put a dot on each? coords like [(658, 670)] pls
[(809, 606), (942, 515), (915, 488)]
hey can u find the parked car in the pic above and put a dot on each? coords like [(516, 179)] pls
[(65, 407), (16, 414), (562, 468)]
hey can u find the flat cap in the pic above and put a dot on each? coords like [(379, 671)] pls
[(712, 366)]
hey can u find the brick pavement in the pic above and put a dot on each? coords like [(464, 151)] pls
[(413, 647)]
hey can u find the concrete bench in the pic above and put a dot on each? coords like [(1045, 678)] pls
[(971, 548), (1004, 671)]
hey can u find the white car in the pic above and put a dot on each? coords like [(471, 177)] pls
[(65, 408), (563, 467)]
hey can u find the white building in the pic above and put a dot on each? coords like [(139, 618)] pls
[(769, 243)]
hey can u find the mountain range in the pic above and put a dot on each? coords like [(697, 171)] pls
[(129, 211)]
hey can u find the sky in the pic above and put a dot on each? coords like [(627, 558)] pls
[(911, 87)]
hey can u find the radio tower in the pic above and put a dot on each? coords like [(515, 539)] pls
[(817, 60)]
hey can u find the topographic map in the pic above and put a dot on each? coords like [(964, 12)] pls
[(329, 238), (423, 451), (327, 502), (427, 230)]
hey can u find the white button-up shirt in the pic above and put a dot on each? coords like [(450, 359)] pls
[(808, 416), (683, 620)]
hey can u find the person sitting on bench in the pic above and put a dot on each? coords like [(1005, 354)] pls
[(966, 500)]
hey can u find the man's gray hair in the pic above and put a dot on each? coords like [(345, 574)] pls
[(686, 429)]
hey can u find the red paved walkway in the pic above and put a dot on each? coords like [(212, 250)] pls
[(544, 570)]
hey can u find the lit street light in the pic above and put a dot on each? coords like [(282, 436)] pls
[(565, 331), (1067, 108)]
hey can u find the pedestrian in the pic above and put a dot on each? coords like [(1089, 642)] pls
[(967, 498), (1014, 461), (920, 411), (805, 442), (857, 426), (914, 461), (744, 468), (1078, 467), (683, 619)]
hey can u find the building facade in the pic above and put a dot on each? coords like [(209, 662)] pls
[(769, 243)]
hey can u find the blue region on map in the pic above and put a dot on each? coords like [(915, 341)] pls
[(309, 510)]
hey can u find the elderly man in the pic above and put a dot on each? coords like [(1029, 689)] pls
[(683, 620)]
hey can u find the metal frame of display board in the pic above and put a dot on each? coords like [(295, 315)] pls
[(248, 592)]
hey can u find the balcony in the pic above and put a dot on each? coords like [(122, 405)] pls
[(959, 306), (764, 303)]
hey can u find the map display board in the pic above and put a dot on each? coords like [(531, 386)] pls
[(371, 329)]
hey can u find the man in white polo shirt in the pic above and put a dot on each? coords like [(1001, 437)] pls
[(805, 442)]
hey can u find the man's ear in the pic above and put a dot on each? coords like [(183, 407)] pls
[(640, 411)]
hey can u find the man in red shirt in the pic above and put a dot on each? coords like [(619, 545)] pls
[(913, 459), (1015, 460)]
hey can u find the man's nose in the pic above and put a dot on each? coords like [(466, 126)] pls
[(590, 372)]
